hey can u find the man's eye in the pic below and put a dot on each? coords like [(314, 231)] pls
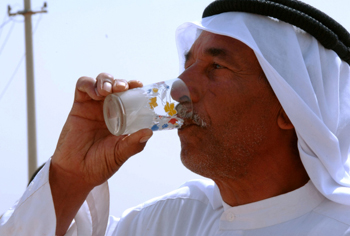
[(217, 66)]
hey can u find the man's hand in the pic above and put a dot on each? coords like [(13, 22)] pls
[(87, 154)]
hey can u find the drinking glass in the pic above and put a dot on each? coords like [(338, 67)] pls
[(159, 106)]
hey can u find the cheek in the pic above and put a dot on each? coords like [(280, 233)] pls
[(224, 105), (236, 103), (232, 113)]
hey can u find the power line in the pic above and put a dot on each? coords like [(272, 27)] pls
[(19, 64), (17, 21), (7, 37), (13, 76), (4, 23), (37, 23)]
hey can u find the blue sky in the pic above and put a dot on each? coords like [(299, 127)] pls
[(131, 40)]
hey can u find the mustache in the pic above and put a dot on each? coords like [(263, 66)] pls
[(184, 111), (198, 120)]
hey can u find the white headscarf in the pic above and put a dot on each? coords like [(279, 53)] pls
[(311, 83)]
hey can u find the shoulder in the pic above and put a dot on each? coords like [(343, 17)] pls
[(200, 191), (196, 190), (180, 211), (335, 211)]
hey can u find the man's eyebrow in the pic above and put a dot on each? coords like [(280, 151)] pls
[(216, 52)]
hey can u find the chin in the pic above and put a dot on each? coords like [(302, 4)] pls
[(213, 166), (197, 162)]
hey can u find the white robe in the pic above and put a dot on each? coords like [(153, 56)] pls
[(196, 208)]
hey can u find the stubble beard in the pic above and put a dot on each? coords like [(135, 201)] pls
[(222, 155)]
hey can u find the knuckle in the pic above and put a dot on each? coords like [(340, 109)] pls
[(119, 156), (121, 81), (83, 81), (105, 76), (120, 85)]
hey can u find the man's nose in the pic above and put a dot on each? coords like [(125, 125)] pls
[(179, 92), (195, 82)]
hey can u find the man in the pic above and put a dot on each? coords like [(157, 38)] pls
[(270, 108)]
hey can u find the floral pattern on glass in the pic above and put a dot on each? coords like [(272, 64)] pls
[(159, 96)]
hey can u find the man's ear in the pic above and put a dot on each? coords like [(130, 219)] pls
[(283, 120)]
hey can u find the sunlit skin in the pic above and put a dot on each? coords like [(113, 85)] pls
[(248, 146)]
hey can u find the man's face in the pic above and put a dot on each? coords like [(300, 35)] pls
[(235, 108)]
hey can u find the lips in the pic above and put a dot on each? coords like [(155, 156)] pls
[(184, 110), (187, 123)]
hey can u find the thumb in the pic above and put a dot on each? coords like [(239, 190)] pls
[(131, 145)]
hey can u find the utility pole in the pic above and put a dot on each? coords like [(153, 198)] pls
[(31, 124)]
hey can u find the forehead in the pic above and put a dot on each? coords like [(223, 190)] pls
[(208, 39), (222, 46)]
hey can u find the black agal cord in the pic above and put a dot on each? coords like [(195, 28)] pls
[(326, 30)]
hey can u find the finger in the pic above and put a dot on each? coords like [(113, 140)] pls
[(85, 89), (120, 85), (104, 85), (131, 145), (135, 84)]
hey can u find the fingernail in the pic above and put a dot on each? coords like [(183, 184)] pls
[(107, 87), (145, 139)]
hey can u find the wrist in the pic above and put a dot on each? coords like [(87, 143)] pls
[(68, 183), (68, 194)]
